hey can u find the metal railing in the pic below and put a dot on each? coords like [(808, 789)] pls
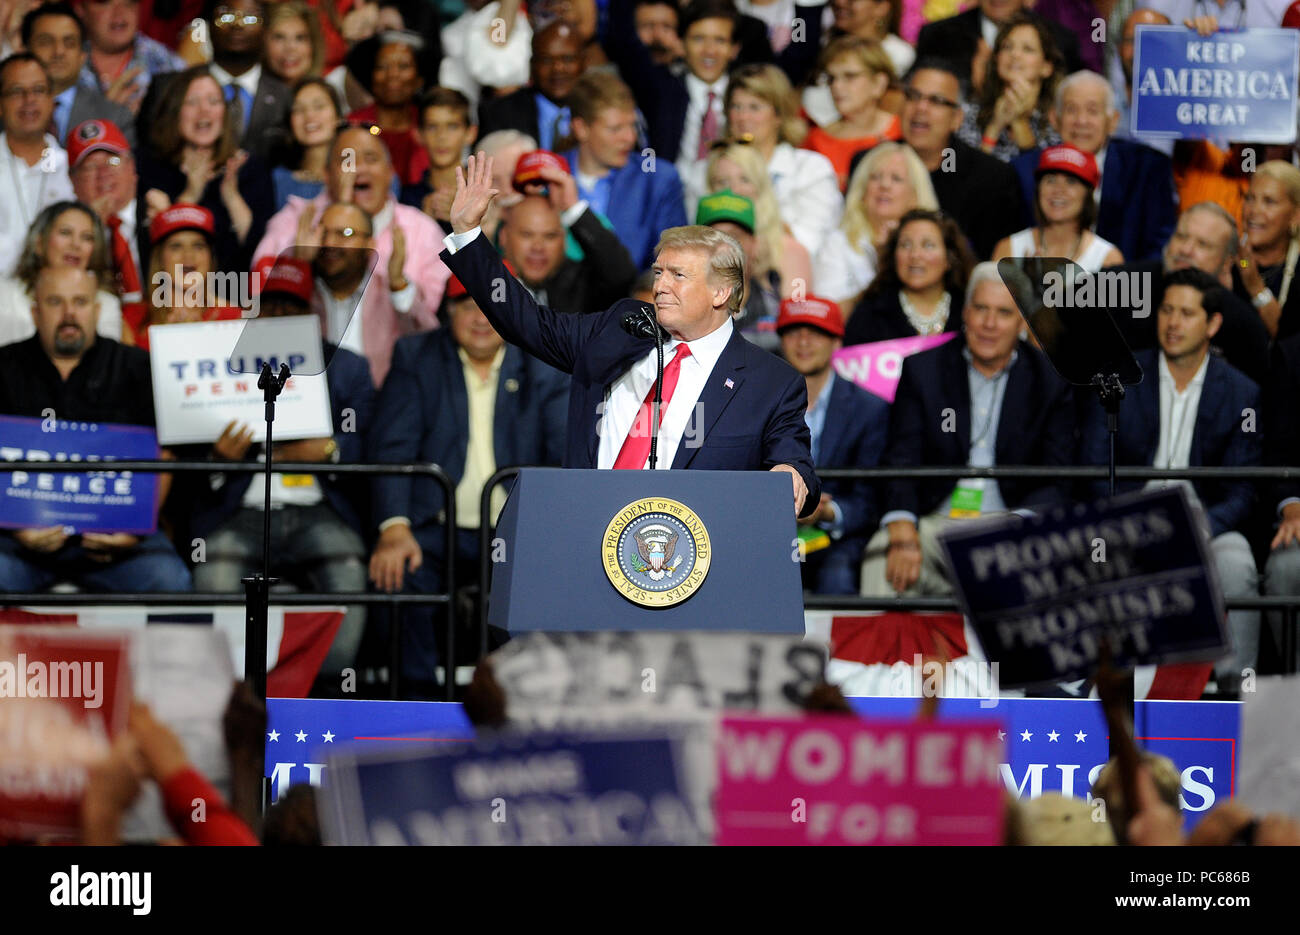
[(1288, 606)]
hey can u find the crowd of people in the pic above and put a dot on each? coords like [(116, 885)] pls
[(870, 164)]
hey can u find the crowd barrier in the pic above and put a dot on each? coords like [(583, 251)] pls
[(1287, 605)]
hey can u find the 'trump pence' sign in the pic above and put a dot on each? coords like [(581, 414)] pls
[(838, 780), (205, 376), (1044, 593)]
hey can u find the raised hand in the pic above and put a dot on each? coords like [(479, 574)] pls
[(562, 188), (474, 193), (397, 260)]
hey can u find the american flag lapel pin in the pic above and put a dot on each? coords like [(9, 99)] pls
[(730, 384)]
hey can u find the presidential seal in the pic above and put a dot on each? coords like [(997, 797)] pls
[(656, 552)]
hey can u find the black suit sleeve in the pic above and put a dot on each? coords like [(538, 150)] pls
[(606, 262), (906, 442)]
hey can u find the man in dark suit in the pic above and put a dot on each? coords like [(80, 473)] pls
[(54, 34), (1137, 206), (1282, 448), (1205, 238), (966, 40), (978, 191), (849, 427), (462, 398), (316, 519), (984, 398), (683, 106), (738, 408), (531, 236), (540, 109), (1192, 410)]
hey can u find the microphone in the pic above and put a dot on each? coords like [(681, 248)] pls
[(643, 324)]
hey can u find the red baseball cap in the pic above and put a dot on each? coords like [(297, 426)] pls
[(181, 217), (821, 314), (529, 166), (290, 276), (90, 135), (1070, 160), (1291, 18), (456, 289)]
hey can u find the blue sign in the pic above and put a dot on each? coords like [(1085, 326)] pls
[(526, 789), (1227, 86), (1061, 744), (96, 501), (1045, 592)]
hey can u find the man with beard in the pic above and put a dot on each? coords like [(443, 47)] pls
[(67, 369)]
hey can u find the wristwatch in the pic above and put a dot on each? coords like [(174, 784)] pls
[(1263, 297), (332, 451)]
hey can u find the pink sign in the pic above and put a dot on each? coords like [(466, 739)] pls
[(875, 367), (836, 780)]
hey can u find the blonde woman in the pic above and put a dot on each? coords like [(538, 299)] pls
[(740, 168), (890, 181), (858, 73), (762, 109), (1270, 222)]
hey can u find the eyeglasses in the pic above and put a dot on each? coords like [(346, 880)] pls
[(112, 162), (14, 94), (227, 18), (934, 100)]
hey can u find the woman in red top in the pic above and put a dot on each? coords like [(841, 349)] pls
[(859, 73), (394, 68), (180, 287)]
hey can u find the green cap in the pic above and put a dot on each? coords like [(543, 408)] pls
[(726, 205)]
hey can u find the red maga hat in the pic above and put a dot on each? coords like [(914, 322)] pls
[(90, 135), (292, 277), (812, 311), (529, 166), (181, 217), (1070, 160)]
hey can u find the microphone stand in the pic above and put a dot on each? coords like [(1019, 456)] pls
[(1110, 390), (659, 387), (257, 588)]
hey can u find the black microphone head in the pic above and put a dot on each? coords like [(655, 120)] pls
[(638, 319)]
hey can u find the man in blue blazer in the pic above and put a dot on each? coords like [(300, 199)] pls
[(849, 427), (459, 397), (1191, 410), (1138, 207), (727, 404)]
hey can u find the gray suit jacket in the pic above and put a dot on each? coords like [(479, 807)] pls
[(89, 104), (270, 113)]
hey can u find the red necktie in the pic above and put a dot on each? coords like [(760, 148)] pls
[(636, 447), (127, 275), (708, 127)]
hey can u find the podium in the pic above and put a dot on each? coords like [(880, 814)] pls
[(647, 550)]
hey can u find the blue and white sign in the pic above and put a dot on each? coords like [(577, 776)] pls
[(524, 789), (1061, 744), (95, 501), (1044, 593), (1227, 86)]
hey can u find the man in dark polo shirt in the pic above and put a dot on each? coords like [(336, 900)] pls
[(69, 370)]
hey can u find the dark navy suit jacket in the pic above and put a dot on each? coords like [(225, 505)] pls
[(1035, 427), (752, 407), (854, 435), (348, 377), (1218, 439), (422, 415), (1138, 208)]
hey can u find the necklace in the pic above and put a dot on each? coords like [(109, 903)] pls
[(926, 324), (1074, 252)]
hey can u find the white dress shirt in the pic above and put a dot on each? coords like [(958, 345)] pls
[(24, 191), (1177, 423), (697, 93), (248, 80), (807, 194), (623, 400)]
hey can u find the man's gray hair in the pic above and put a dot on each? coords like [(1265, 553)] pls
[(1220, 212), (726, 258), (498, 140), (982, 273), (1081, 77)]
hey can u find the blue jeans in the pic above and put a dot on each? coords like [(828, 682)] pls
[(152, 565)]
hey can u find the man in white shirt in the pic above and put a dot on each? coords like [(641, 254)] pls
[(727, 404), (33, 166), (1195, 410)]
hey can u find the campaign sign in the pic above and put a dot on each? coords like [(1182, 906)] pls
[(202, 382), (96, 501), (834, 780), (876, 366), (1061, 744), (526, 789), (1044, 592), (1230, 85), (63, 696), (301, 732)]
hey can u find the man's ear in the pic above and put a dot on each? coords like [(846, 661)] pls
[(1112, 123), (578, 127), (1213, 325)]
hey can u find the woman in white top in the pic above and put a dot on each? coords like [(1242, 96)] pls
[(1066, 210), (761, 109), (66, 233), (888, 182)]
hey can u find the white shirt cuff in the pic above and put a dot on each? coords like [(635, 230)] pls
[(393, 521), (1285, 503), (836, 525), (455, 242), (403, 299), (895, 515), (570, 215)]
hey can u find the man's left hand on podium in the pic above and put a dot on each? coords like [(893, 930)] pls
[(800, 488)]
